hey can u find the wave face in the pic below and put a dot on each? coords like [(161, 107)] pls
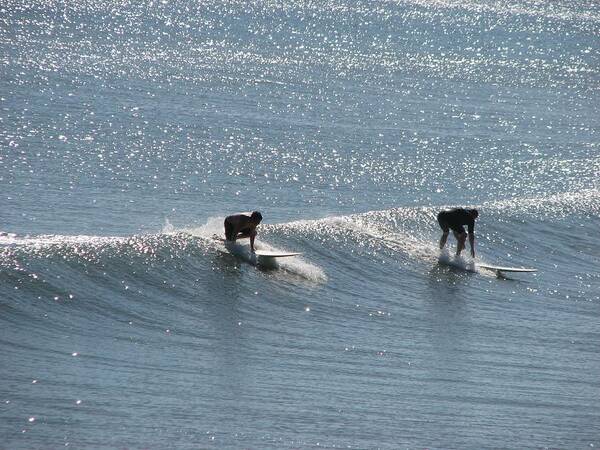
[(173, 328), (129, 130)]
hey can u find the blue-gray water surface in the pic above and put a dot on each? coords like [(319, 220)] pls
[(129, 130)]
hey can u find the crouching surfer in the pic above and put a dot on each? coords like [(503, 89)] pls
[(240, 226), (455, 220)]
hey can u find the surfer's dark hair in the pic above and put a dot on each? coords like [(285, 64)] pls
[(475, 213), (256, 216)]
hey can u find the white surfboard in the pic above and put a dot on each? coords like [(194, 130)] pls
[(471, 266), (266, 258), (500, 269), (274, 254)]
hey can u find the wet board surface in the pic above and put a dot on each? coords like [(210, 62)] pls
[(470, 266), (505, 269), (273, 254), (263, 257)]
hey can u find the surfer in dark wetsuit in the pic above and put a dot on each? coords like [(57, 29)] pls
[(455, 220), (239, 226)]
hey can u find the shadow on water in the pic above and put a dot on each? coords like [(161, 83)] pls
[(450, 314), (225, 290), (452, 273), (448, 290), (450, 277)]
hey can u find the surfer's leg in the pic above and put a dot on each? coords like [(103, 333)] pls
[(229, 231), (443, 239), (460, 244), (445, 231)]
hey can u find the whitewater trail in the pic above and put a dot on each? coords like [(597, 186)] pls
[(297, 265)]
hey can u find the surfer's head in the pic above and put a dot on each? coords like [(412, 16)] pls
[(256, 217), (474, 213)]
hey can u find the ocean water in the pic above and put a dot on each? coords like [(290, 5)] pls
[(129, 130)]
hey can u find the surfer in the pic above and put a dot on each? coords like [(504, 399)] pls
[(240, 226), (455, 220)]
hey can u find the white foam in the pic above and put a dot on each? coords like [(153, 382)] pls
[(370, 225), (168, 227), (296, 264), (56, 240), (459, 262)]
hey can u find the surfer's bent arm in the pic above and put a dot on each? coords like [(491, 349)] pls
[(252, 236)]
